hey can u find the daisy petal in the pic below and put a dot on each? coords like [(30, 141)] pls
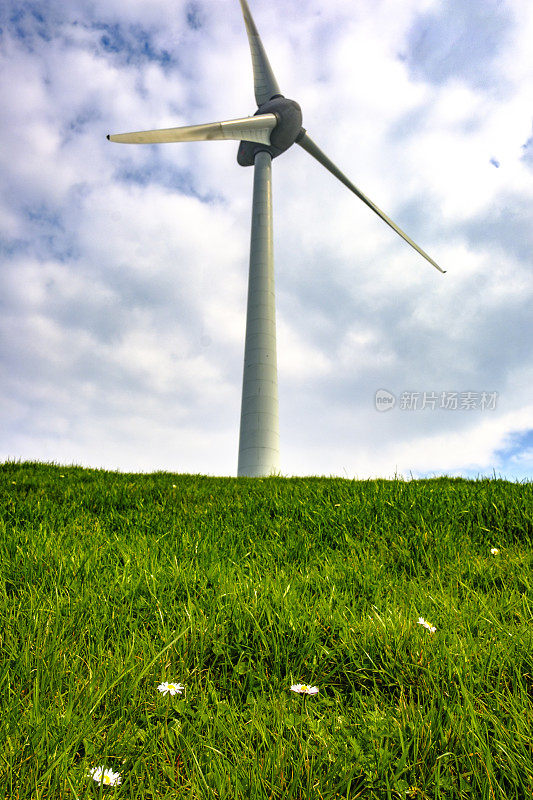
[(171, 688), (105, 776), (303, 688)]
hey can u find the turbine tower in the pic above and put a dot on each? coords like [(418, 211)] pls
[(275, 126)]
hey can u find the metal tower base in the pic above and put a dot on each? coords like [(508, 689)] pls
[(259, 432)]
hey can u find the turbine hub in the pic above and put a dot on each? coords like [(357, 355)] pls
[(289, 116)]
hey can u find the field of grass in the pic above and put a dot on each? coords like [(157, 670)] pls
[(112, 584)]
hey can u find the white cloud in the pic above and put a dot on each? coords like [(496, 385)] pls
[(123, 286)]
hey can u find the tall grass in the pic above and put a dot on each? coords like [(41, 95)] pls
[(111, 584)]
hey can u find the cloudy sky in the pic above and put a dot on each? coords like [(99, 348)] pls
[(124, 268)]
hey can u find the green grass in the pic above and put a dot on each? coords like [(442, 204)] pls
[(112, 583)]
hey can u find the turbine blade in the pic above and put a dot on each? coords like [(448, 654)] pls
[(307, 143), (249, 129), (265, 84)]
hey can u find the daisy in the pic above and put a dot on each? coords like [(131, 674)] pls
[(303, 688), (494, 551), (105, 776), (422, 621), (171, 688)]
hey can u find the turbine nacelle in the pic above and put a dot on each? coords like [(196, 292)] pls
[(286, 132)]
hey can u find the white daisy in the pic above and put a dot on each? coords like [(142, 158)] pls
[(171, 688), (494, 551), (105, 776), (303, 688), (422, 621)]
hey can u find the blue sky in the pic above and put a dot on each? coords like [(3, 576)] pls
[(123, 270)]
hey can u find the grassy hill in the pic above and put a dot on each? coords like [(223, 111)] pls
[(114, 584)]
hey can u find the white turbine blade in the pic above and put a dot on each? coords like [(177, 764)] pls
[(307, 143), (249, 129), (265, 84)]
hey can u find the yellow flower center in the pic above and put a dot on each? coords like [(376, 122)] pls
[(171, 685), (107, 779), (304, 687)]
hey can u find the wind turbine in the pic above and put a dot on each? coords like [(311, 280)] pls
[(275, 126)]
